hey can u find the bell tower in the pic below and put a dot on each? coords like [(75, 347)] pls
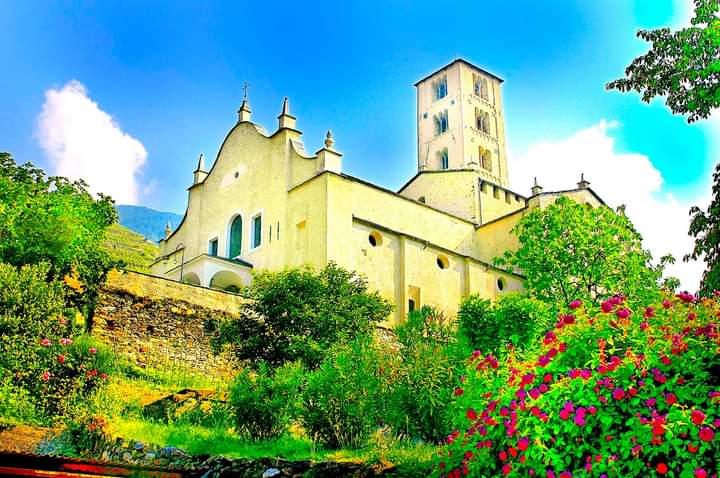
[(460, 122)]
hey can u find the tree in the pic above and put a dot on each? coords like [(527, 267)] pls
[(705, 228), (684, 65), (299, 314), (54, 220), (570, 251)]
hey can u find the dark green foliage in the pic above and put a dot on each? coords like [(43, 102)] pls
[(343, 403), (515, 319), (571, 251), (299, 314), (683, 66), (54, 220), (147, 222), (265, 403), (705, 228), (36, 330), (428, 370)]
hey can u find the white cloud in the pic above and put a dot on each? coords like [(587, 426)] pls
[(619, 178), (83, 141)]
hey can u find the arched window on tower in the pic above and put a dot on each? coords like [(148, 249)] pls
[(441, 88), (441, 123), (235, 242), (485, 159), (443, 159), (482, 120), (481, 87)]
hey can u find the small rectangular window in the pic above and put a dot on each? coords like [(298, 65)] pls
[(213, 248), (257, 231), (277, 233), (270, 235)]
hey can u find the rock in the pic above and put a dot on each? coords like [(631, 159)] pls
[(139, 446), (271, 472)]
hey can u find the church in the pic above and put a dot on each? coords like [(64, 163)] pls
[(268, 204)]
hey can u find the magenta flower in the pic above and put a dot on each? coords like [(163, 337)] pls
[(706, 434), (622, 313), (700, 473), (618, 394), (697, 417), (649, 312), (606, 306), (575, 304)]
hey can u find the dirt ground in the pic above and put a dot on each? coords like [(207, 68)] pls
[(22, 438)]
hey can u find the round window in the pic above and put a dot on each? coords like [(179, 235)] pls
[(442, 262), (375, 239)]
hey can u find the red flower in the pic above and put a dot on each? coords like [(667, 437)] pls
[(618, 394), (670, 398), (502, 455), (623, 313), (661, 468), (649, 312), (46, 376), (700, 473), (459, 391), (471, 414), (61, 358), (667, 304), (506, 469), (93, 350), (697, 417), (523, 444), (565, 474), (706, 434), (45, 342), (575, 304), (693, 448), (606, 306)]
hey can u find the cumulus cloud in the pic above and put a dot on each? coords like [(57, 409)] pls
[(82, 141), (619, 178)]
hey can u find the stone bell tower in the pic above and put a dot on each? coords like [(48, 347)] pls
[(460, 123)]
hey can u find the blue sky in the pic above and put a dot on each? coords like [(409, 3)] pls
[(164, 80)]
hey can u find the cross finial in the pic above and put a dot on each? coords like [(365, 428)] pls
[(246, 87)]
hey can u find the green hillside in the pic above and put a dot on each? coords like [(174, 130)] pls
[(123, 244)]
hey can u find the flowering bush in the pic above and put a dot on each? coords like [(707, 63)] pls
[(41, 349), (616, 389)]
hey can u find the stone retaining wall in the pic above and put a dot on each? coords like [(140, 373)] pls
[(161, 323)]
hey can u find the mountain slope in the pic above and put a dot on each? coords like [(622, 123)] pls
[(147, 222), (132, 248)]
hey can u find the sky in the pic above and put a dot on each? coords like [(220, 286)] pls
[(127, 94)]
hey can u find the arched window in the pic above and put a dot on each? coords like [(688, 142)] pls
[(482, 120), (441, 88), (441, 123), (481, 87), (443, 159), (485, 159), (235, 237), (486, 123)]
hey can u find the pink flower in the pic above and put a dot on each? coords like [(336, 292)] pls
[(61, 358), (65, 341), (103, 376), (700, 473), (618, 394), (667, 304), (575, 304), (606, 306), (649, 312), (697, 417), (706, 434), (670, 398), (93, 350), (46, 376), (523, 444), (45, 342), (568, 319), (506, 469), (623, 313)]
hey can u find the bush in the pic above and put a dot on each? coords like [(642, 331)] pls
[(430, 365), (38, 336), (265, 403), (299, 314), (344, 402), (616, 389), (515, 319)]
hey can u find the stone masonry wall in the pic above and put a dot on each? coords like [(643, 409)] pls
[(155, 322)]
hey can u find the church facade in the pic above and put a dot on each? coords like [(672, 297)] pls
[(267, 204)]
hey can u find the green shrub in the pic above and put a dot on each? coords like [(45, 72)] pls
[(515, 319), (621, 388), (300, 314), (40, 345), (15, 402), (431, 360), (344, 402), (265, 402)]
